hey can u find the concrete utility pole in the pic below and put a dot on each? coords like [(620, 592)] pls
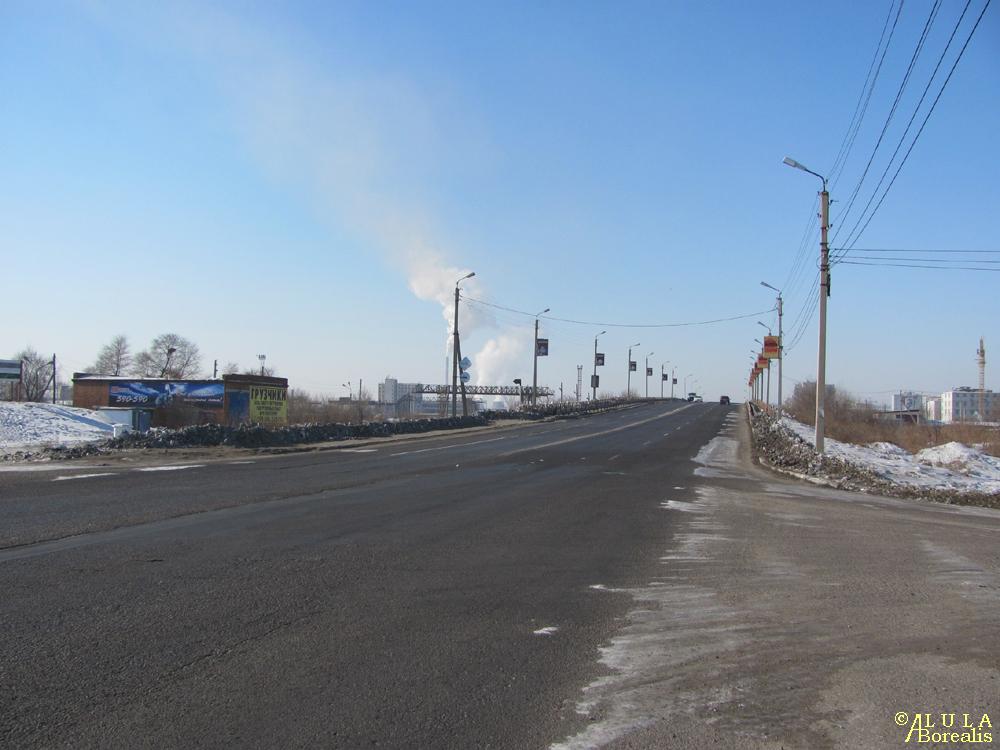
[(534, 379), (824, 292), (980, 360), (455, 351), (781, 343), (593, 381), (628, 380), (646, 372)]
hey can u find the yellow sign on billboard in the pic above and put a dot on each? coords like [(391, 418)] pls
[(268, 404), (762, 363)]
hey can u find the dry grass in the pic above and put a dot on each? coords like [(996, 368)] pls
[(853, 421)]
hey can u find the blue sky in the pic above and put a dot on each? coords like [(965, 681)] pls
[(307, 180)]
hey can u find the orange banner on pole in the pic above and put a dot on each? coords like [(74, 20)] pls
[(772, 347), (763, 363)]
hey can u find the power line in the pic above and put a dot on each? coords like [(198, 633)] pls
[(909, 124), (892, 110), (905, 265), (939, 261), (936, 252), (621, 325), (924, 123), (851, 135)]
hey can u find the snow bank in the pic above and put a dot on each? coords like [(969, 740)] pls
[(951, 467), (26, 426)]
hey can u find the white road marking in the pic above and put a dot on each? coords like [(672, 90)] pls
[(359, 450), (84, 476), (617, 455), (240, 463), (446, 447), (546, 630), (176, 467), (595, 434)]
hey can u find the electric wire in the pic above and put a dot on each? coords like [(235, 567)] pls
[(913, 117), (906, 265), (855, 123), (923, 124), (892, 111), (619, 325)]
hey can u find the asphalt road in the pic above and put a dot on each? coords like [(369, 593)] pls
[(570, 584)]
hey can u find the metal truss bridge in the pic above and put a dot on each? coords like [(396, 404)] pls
[(484, 390)]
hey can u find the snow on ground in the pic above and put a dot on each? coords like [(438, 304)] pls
[(952, 466), (25, 426)]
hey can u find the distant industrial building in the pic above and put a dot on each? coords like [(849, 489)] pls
[(907, 401), (932, 408), (401, 400), (962, 405)]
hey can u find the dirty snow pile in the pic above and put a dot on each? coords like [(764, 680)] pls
[(950, 467), (26, 426)]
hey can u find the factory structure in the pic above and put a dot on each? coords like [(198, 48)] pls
[(960, 404)]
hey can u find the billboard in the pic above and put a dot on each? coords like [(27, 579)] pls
[(763, 363), (595, 381), (649, 372), (665, 377), (599, 359), (542, 347), (772, 347), (10, 369), (631, 366), (268, 404), (138, 393)]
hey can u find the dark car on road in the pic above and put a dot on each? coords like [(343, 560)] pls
[(724, 400)]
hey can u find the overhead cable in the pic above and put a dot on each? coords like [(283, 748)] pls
[(619, 325)]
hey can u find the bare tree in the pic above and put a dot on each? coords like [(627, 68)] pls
[(168, 356), (115, 358), (36, 375), (231, 368)]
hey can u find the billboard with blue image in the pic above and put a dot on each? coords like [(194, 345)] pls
[(139, 393)]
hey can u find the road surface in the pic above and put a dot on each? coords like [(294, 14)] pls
[(626, 579)]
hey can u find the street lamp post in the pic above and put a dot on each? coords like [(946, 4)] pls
[(767, 398), (673, 377), (781, 343), (824, 292), (593, 380), (628, 380), (455, 351), (534, 380), (690, 374), (646, 372), (662, 373)]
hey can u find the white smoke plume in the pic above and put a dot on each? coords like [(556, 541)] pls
[(362, 147)]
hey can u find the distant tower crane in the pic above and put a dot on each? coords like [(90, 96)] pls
[(981, 360)]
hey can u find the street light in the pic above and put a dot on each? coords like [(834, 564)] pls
[(690, 374), (593, 380), (765, 326), (455, 352), (662, 366), (534, 380), (824, 292), (262, 358), (781, 342), (628, 380), (646, 372)]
